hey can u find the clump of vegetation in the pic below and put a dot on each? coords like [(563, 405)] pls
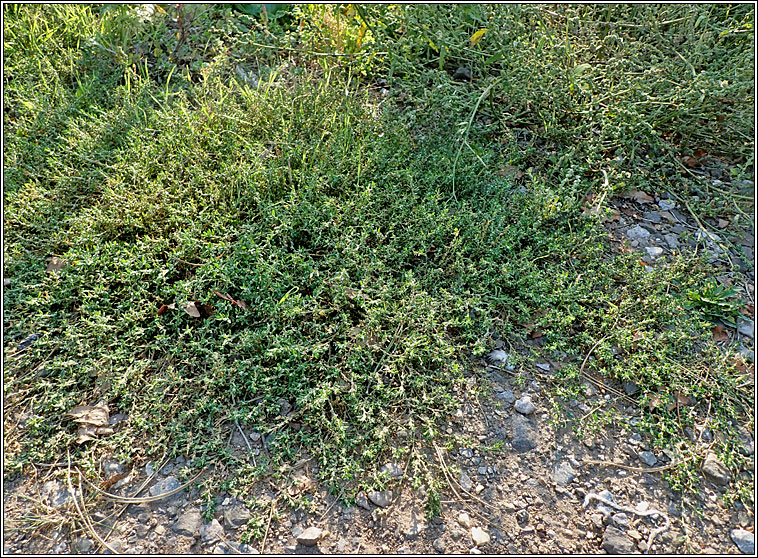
[(346, 252)]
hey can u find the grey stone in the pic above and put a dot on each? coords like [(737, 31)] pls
[(415, 528), (672, 240), (745, 540), (236, 515), (166, 485), (648, 458), (188, 524), (55, 494), (652, 216), (405, 549), (284, 406), (630, 388), (506, 396), (525, 433), (362, 502), (310, 536), (543, 366), (462, 74), (637, 233), (82, 545), (479, 536), (563, 474), (667, 205), (522, 516), (439, 546), (112, 467), (381, 498), (747, 447), (746, 329), (498, 357), (654, 251), (393, 470), (620, 520), (465, 482), (616, 542), (211, 532), (715, 470), (524, 405)]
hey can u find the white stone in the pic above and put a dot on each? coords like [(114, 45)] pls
[(479, 536)]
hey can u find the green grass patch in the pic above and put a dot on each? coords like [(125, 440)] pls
[(143, 159)]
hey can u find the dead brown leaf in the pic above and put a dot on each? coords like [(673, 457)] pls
[(655, 401), (640, 196), (224, 296), (95, 415), (720, 334), (92, 420), (510, 170), (55, 264), (88, 432), (197, 309), (106, 484), (191, 309), (690, 162), (239, 303), (536, 334)]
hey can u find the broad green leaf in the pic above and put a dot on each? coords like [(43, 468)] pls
[(476, 37)]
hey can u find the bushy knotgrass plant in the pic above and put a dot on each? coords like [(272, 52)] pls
[(369, 284)]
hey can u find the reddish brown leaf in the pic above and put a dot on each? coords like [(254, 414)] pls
[(690, 162), (720, 334), (699, 154), (225, 296), (106, 484), (162, 309)]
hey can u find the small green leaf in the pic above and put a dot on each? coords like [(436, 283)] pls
[(494, 58)]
